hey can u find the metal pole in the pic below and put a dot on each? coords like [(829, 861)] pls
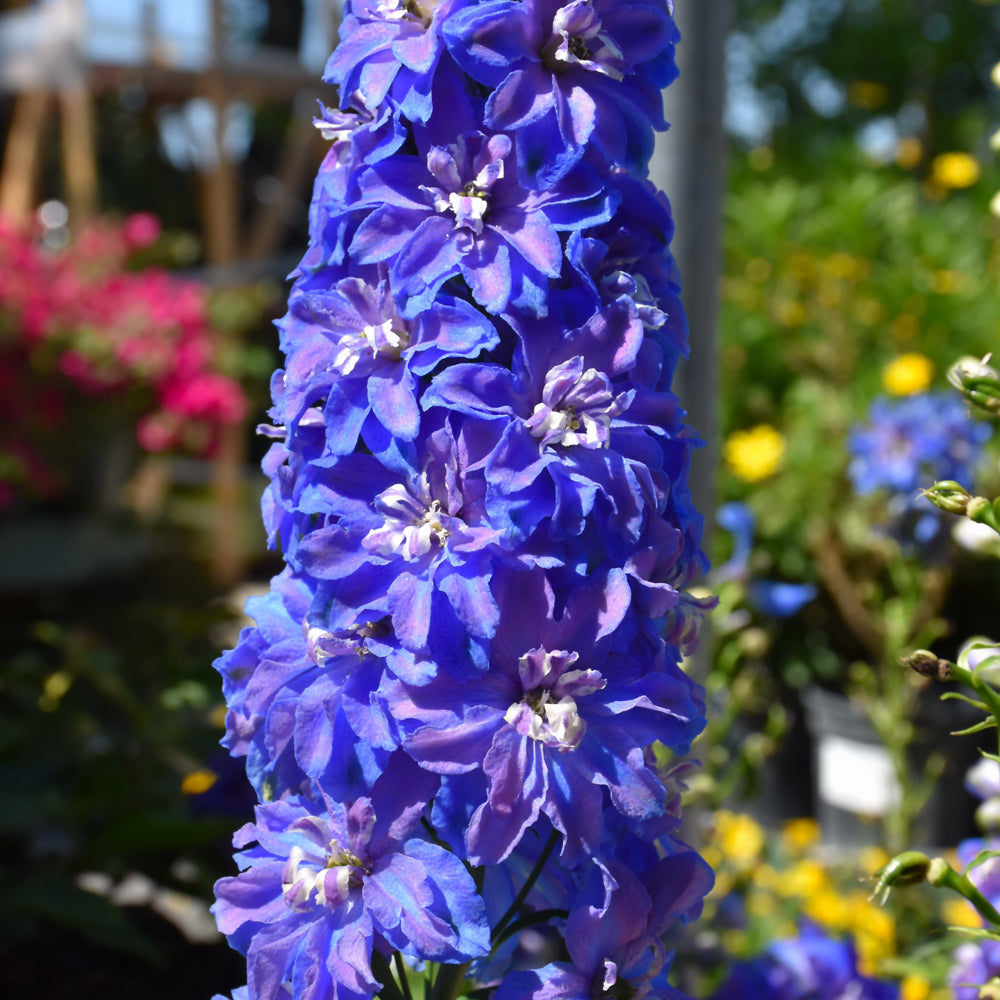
[(689, 165)]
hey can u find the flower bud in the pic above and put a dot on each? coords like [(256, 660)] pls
[(949, 496), (978, 382), (925, 663), (979, 509), (908, 868), (990, 990), (988, 816)]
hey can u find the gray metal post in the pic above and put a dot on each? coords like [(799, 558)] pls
[(689, 165)]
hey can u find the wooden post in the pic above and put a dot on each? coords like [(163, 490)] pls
[(21, 156), (219, 188), (78, 155), (220, 223), (301, 152)]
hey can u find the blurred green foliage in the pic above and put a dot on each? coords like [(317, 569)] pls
[(849, 242)]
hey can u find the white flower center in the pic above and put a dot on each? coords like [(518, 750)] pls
[(411, 527), (306, 884), (382, 341)]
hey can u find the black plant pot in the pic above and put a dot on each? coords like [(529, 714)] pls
[(853, 780)]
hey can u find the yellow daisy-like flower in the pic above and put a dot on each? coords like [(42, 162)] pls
[(799, 834), (739, 837), (198, 782), (754, 454), (908, 374), (807, 879), (954, 170)]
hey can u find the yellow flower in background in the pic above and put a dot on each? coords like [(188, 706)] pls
[(799, 834), (960, 913), (908, 374), (761, 904), (740, 838), (806, 878), (754, 454), (954, 170), (914, 987), (867, 94), (198, 782), (872, 858), (828, 908), (874, 931)]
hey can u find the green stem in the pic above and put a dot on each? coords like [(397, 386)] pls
[(987, 694), (941, 873), (401, 972), (528, 885), (383, 972), (449, 981)]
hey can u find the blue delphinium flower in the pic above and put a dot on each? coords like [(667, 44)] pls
[(327, 883), (448, 700), (569, 76), (459, 209), (613, 934)]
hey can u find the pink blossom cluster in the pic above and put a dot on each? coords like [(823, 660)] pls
[(78, 320)]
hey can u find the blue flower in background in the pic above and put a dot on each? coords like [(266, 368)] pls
[(770, 597), (912, 442), (908, 444), (811, 965)]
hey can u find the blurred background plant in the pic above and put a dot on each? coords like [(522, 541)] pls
[(788, 919), (152, 199), (92, 343), (860, 255)]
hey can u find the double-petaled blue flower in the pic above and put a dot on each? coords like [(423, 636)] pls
[(478, 479)]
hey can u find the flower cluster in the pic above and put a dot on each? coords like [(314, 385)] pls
[(910, 441), (78, 316), (479, 485)]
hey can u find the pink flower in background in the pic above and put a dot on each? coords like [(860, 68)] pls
[(78, 320)]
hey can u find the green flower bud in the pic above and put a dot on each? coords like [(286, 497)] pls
[(980, 510), (983, 511), (908, 868), (977, 382), (949, 496)]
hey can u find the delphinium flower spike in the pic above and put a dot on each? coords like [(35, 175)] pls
[(449, 698)]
